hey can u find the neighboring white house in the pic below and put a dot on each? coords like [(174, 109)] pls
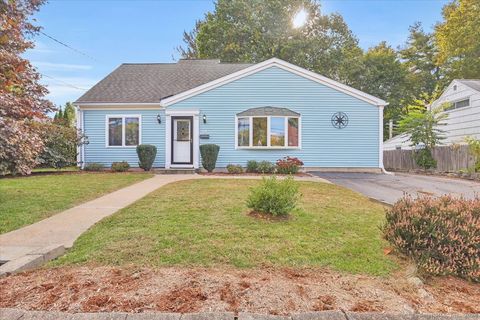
[(463, 115)]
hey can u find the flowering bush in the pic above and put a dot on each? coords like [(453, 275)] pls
[(288, 165), (441, 234)]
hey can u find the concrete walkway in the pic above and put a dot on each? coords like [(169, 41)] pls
[(16, 314), (65, 227), (48, 238)]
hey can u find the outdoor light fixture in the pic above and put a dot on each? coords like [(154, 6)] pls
[(204, 118), (159, 119)]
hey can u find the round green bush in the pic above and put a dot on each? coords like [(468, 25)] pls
[(265, 167), (234, 168), (93, 166), (252, 166), (120, 166)]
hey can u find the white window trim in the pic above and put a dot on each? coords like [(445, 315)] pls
[(123, 116), (268, 146)]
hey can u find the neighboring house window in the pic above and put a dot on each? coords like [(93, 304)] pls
[(268, 132), (459, 104), (123, 131)]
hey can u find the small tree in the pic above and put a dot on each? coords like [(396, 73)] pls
[(423, 124), (474, 148), (60, 145)]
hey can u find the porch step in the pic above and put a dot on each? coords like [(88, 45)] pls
[(174, 171)]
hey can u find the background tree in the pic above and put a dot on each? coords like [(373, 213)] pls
[(419, 57), (65, 116), (22, 98), (384, 76), (253, 31), (458, 39)]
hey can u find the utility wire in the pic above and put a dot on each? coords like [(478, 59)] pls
[(63, 82), (67, 46)]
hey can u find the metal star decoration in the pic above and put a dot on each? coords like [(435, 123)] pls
[(339, 120)]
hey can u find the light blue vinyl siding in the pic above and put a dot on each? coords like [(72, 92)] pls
[(152, 133), (357, 145)]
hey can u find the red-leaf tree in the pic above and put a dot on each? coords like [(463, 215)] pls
[(22, 97)]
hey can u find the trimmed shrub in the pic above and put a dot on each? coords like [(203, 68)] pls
[(60, 145), (209, 154), (424, 159), (265, 167), (120, 166), (275, 197), (93, 166), (252, 166), (288, 165), (146, 156), (234, 168), (440, 234)]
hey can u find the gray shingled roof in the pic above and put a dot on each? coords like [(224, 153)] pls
[(473, 83), (268, 111), (150, 82)]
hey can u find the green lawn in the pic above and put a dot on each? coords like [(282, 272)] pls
[(26, 200), (205, 223)]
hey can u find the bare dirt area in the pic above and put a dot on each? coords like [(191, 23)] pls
[(273, 291)]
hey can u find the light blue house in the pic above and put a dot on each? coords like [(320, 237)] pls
[(263, 111)]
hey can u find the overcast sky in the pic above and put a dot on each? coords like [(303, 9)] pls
[(108, 33)]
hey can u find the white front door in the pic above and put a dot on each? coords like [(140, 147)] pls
[(182, 140)]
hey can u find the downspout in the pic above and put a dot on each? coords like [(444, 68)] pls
[(380, 140), (81, 148)]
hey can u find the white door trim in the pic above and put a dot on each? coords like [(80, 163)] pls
[(195, 135)]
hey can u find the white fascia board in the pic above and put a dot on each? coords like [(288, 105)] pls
[(116, 105), (275, 62)]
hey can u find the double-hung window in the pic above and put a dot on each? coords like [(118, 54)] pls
[(123, 130), (278, 128)]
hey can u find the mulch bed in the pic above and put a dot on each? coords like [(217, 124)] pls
[(265, 290), (299, 174)]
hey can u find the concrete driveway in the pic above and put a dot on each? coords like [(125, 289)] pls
[(389, 188)]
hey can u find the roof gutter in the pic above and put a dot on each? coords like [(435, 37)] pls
[(117, 105)]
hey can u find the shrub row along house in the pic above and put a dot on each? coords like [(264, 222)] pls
[(262, 111)]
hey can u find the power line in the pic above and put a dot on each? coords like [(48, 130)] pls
[(63, 82), (67, 46)]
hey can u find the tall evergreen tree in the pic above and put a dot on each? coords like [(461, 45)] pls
[(69, 114), (385, 76), (419, 55)]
